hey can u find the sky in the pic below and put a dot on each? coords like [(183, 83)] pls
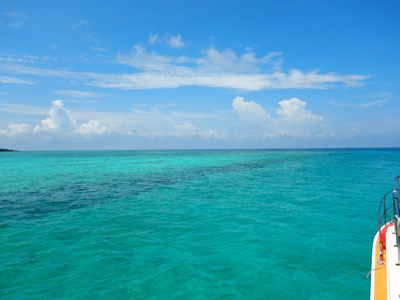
[(94, 75)]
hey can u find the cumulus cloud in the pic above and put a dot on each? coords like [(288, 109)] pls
[(15, 129), (249, 111), (59, 119), (93, 127), (293, 119), (294, 109), (157, 122), (60, 122)]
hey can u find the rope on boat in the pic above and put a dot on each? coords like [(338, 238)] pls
[(369, 273)]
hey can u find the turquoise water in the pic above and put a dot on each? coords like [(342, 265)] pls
[(190, 224)]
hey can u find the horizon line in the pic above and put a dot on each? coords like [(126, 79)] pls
[(210, 149)]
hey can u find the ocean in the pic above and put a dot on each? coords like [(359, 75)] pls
[(216, 224)]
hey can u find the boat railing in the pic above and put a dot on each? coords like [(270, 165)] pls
[(384, 217), (390, 213)]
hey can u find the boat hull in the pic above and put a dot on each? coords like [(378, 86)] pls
[(385, 274), (378, 274)]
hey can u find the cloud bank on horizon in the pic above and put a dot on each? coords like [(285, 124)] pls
[(226, 86), (61, 122)]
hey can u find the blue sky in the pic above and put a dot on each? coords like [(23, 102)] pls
[(199, 74)]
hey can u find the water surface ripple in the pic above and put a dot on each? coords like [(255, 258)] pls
[(190, 224)]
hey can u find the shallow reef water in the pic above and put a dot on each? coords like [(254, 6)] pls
[(216, 224)]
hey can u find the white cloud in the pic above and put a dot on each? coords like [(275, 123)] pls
[(249, 121), (185, 126), (59, 119), (211, 134), (228, 61), (374, 103), (91, 128), (249, 111), (19, 128), (14, 80), (175, 41), (22, 109), (80, 94), (157, 122), (294, 119), (294, 109), (379, 99), (214, 69), (161, 74), (61, 122), (15, 129), (14, 58), (27, 70), (140, 59), (218, 69)]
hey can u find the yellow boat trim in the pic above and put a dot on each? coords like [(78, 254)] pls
[(380, 280)]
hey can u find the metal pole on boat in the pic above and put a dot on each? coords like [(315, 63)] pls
[(380, 261)]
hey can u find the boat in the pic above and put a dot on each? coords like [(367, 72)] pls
[(385, 270)]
